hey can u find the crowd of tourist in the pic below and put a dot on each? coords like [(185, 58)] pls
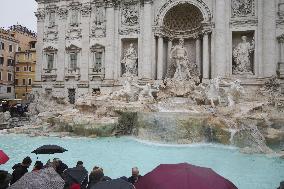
[(86, 181)]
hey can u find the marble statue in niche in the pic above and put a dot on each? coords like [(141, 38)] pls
[(241, 55), (130, 61), (241, 8), (181, 68)]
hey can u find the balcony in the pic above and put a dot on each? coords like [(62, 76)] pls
[(72, 73), (49, 75)]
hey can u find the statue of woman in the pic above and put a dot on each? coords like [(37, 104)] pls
[(241, 56), (130, 61)]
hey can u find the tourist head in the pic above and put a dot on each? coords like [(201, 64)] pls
[(135, 171), (79, 164), (27, 161), (244, 38), (38, 165)]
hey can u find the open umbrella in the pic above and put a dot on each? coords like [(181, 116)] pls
[(75, 174), (43, 179), (3, 157), (113, 184), (49, 149), (183, 176)]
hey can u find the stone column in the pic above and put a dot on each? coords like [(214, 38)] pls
[(117, 68), (61, 44), (269, 38), (281, 44), (39, 45), (147, 40), (198, 53), (84, 62), (160, 58), (205, 63), (221, 50), (109, 56), (170, 45)]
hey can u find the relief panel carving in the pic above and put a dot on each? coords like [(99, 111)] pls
[(98, 25), (243, 8), (130, 17)]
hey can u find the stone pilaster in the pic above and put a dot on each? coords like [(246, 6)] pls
[(198, 52), (160, 65), (147, 40), (170, 46), (205, 63), (40, 14), (84, 67), (117, 67), (221, 50), (62, 13), (109, 54), (269, 38)]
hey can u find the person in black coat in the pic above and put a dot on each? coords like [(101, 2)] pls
[(20, 169), (5, 179), (135, 176)]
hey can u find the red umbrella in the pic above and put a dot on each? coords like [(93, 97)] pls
[(3, 157), (183, 176)]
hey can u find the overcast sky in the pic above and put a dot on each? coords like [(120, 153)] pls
[(18, 11)]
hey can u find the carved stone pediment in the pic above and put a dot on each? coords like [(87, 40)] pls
[(243, 8), (72, 48), (86, 10), (243, 22), (97, 48), (50, 49), (98, 25), (75, 6)]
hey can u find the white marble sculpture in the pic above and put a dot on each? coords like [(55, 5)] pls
[(180, 62), (213, 90), (126, 93), (241, 56), (234, 92), (130, 61), (146, 92)]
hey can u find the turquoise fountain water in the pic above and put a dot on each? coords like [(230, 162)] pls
[(118, 155)]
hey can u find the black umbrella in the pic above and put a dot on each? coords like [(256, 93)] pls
[(75, 174), (113, 184), (49, 149)]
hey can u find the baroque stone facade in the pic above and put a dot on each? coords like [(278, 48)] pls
[(88, 45)]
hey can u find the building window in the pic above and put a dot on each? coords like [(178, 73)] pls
[(17, 69), (10, 77), (50, 61), (10, 62), (51, 19), (24, 95), (16, 81), (24, 81), (9, 89), (32, 45), (0, 75), (74, 18), (30, 82), (1, 60), (10, 48), (2, 46), (19, 49), (25, 69), (73, 61), (30, 68)]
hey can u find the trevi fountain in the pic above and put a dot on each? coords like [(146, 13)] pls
[(190, 81)]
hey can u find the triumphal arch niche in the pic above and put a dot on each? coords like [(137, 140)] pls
[(185, 28)]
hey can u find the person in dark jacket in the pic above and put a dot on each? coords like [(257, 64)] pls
[(95, 176), (20, 169), (135, 176), (5, 179), (38, 166)]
